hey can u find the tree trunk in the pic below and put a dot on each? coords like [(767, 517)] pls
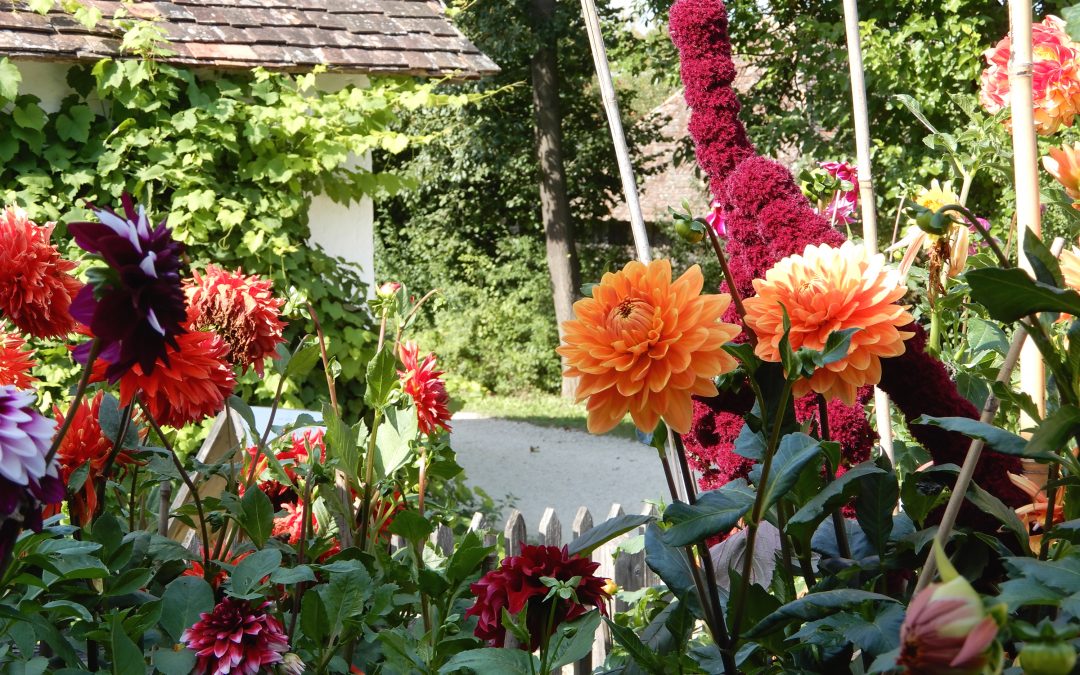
[(554, 203)]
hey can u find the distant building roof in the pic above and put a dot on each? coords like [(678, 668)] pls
[(384, 37)]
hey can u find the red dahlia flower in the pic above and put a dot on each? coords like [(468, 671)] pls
[(289, 458), (236, 637), (241, 309), (421, 382), (85, 443), (188, 385), (135, 305), (517, 586), (15, 362), (36, 288)]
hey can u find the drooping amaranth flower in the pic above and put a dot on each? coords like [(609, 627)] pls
[(135, 305), (243, 310), (646, 345), (36, 287), (238, 636), (516, 586), (422, 383), (825, 290)]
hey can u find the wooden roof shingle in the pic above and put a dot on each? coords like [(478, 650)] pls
[(377, 37)]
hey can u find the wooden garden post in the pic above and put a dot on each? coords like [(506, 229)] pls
[(1025, 167), (866, 185)]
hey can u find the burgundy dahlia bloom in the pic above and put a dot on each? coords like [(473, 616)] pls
[(135, 305), (237, 636), (517, 586)]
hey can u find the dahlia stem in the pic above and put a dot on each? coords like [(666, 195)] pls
[(1051, 496), (934, 343), (118, 443), (839, 527), (164, 497), (412, 312), (131, 498), (736, 298), (805, 563), (208, 573), (710, 598), (369, 478), (80, 392), (331, 388), (785, 550), (756, 512), (1003, 259), (261, 447)]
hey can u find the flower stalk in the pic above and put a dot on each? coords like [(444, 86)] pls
[(80, 392)]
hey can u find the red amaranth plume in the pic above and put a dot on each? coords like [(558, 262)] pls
[(767, 219)]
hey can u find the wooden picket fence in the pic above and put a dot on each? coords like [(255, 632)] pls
[(627, 569)]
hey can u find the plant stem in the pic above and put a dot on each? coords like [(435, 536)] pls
[(131, 498), (1051, 497), (261, 447), (412, 312), (785, 551), (369, 478), (118, 442), (208, 573), (933, 344), (80, 392), (805, 564), (325, 361), (164, 497), (736, 298), (756, 512), (839, 527)]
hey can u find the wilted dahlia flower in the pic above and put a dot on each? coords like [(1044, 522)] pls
[(241, 309), (36, 289), (645, 344), (516, 585), (135, 305), (189, 383), (1055, 83), (15, 361), (421, 382), (825, 290), (841, 209), (947, 630), (237, 636)]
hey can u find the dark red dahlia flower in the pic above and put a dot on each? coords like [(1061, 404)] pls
[(421, 382), (241, 309), (135, 306), (36, 288), (517, 586), (189, 383), (16, 361), (238, 636)]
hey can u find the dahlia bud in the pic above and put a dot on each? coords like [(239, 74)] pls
[(947, 629), (388, 290), (1048, 658), (691, 231), (291, 664), (610, 587)]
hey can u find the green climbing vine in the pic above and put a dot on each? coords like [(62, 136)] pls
[(232, 160)]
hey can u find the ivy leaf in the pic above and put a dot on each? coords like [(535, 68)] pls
[(10, 77)]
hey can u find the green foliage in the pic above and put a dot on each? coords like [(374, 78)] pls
[(231, 162), (472, 226)]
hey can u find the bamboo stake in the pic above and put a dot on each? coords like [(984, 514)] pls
[(618, 136), (866, 186), (1025, 167)]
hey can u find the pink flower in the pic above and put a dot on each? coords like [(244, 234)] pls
[(715, 219), (422, 383), (236, 637), (947, 629), (1055, 78), (841, 210)]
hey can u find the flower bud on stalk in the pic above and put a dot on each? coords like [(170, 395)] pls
[(947, 629)]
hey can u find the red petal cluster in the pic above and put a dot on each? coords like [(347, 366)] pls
[(422, 383), (236, 637), (241, 309), (768, 219), (15, 362), (297, 453), (516, 586), (189, 385), (36, 288), (85, 443)]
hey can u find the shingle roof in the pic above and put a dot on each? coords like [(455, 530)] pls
[(395, 37)]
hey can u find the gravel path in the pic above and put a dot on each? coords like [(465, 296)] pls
[(538, 467)]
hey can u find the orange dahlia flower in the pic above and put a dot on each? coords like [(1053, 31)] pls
[(1055, 77), (646, 345), (1064, 165), (15, 361), (85, 443), (241, 309), (824, 290), (189, 387), (1033, 515), (36, 288)]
